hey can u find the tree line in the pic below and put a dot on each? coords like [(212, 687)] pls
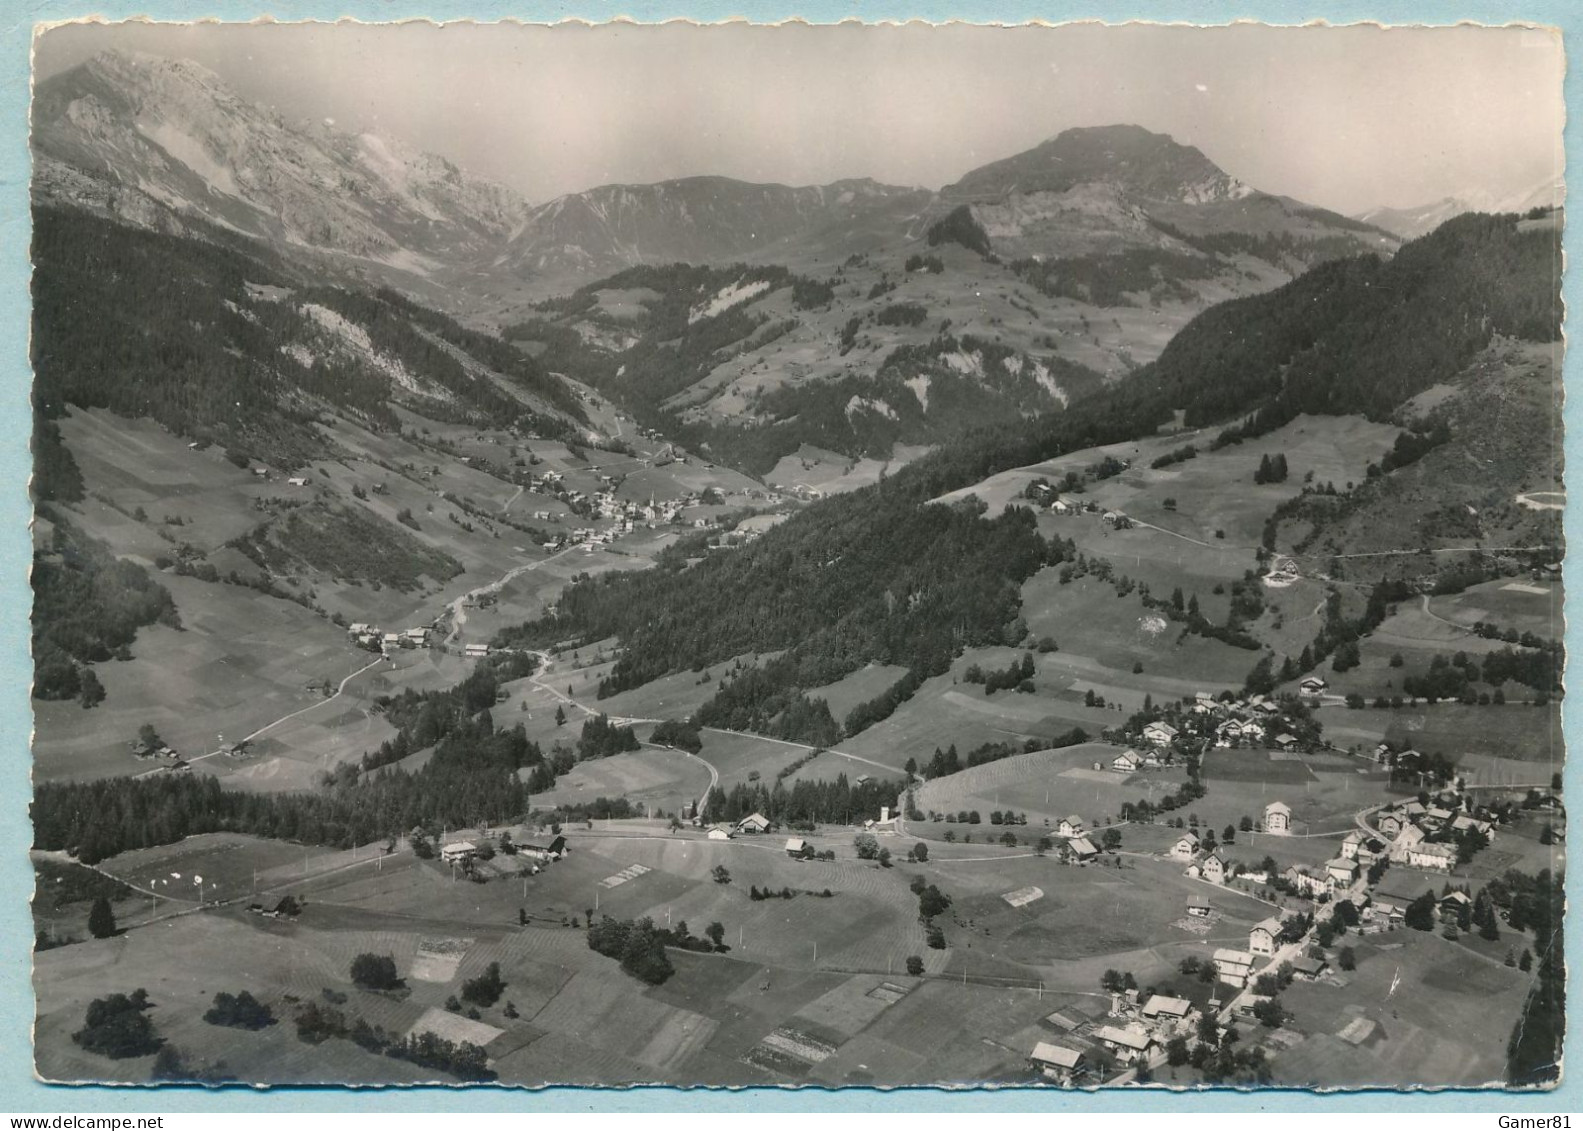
[(804, 803), (189, 345), (87, 608), (876, 578), (1361, 334)]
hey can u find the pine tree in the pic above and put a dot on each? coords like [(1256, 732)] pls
[(91, 690), (101, 919)]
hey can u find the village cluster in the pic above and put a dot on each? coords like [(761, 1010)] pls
[(622, 515), (1229, 721), (1136, 1031), (374, 639)]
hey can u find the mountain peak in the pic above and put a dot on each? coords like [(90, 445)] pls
[(1148, 166), (1118, 133), (139, 77), (117, 61), (187, 141), (1410, 223)]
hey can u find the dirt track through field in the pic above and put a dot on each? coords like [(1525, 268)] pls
[(458, 607), (284, 718)]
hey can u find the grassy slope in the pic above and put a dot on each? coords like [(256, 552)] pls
[(1504, 412), (244, 659)]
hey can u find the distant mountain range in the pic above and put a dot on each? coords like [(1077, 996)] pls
[(125, 133), (706, 220), (164, 142), (1410, 223), (852, 316)]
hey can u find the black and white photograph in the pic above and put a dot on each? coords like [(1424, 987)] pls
[(863, 555)]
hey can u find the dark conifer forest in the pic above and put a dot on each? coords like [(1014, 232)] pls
[(189, 332), (87, 607)]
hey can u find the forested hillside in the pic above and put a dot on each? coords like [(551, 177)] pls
[(668, 334), (1491, 437), (927, 394), (1362, 334), (880, 576), (222, 341), (344, 541), (874, 577), (658, 339), (87, 607)]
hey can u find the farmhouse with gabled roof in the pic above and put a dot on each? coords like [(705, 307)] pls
[(1264, 936), (1234, 967), (1057, 1062), (1186, 847), (1160, 734)]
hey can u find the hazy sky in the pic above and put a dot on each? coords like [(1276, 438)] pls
[(1347, 118)]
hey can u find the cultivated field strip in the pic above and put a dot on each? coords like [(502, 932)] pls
[(560, 1058), (454, 1027), (603, 1010), (851, 1006)]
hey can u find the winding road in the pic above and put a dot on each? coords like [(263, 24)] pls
[(1432, 615), (540, 679), (714, 779), (458, 607), (459, 618), (284, 718)]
